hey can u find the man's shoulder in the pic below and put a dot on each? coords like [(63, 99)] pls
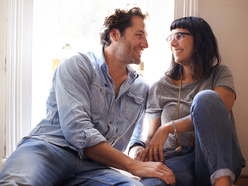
[(140, 86), (84, 59), (141, 82)]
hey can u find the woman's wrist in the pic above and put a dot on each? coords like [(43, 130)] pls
[(168, 127)]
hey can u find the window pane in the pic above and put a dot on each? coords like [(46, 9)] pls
[(63, 27)]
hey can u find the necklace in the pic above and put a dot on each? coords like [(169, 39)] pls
[(190, 148)]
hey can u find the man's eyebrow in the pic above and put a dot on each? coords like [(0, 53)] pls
[(141, 31)]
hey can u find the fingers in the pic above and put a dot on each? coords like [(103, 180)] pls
[(150, 156), (144, 154), (155, 154), (161, 154), (138, 156), (168, 176), (155, 169)]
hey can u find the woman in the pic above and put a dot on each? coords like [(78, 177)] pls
[(193, 133)]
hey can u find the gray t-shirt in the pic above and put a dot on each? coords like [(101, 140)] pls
[(163, 100)]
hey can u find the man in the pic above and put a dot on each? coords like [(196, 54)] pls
[(95, 104)]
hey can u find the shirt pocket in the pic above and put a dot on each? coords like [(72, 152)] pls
[(133, 106), (97, 98)]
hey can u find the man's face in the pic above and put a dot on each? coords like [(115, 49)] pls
[(133, 42)]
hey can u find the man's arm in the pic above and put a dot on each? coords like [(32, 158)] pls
[(107, 155)]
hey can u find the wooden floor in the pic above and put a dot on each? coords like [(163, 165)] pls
[(242, 181)]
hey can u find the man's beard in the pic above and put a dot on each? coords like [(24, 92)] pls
[(127, 53)]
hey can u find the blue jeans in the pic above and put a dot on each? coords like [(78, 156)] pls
[(36, 162), (216, 150)]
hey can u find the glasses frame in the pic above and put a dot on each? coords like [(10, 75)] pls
[(170, 38)]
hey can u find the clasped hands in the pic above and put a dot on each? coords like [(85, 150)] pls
[(154, 154), (154, 149)]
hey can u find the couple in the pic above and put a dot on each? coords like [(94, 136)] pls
[(96, 107)]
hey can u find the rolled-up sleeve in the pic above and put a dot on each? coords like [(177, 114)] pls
[(72, 80)]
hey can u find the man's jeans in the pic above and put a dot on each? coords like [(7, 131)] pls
[(216, 151), (36, 163)]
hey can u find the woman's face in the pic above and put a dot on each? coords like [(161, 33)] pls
[(183, 48)]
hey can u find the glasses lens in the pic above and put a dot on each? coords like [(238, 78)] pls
[(168, 39), (178, 36)]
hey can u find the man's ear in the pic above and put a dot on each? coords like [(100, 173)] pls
[(114, 34)]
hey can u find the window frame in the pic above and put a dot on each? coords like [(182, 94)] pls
[(18, 72)]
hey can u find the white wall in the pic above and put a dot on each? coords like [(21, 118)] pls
[(228, 19), (3, 8)]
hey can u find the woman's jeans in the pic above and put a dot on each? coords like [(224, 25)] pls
[(37, 163), (216, 151)]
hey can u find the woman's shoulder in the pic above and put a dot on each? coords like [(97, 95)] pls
[(221, 68)]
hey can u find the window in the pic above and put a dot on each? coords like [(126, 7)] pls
[(69, 27), (54, 29)]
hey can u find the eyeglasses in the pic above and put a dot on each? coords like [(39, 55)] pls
[(177, 36)]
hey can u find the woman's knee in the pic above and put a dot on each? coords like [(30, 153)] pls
[(208, 100), (206, 96)]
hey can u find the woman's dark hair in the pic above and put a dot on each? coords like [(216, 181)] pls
[(120, 19), (206, 53)]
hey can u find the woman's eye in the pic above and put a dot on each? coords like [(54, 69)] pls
[(179, 36)]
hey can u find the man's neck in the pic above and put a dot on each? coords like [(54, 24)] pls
[(117, 69)]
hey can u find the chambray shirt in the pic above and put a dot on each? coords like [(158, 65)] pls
[(82, 110)]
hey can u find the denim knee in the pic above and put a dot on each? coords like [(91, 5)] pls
[(207, 101)]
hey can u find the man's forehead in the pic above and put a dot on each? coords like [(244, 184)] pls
[(138, 23)]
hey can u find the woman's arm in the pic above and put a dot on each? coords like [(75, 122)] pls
[(154, 149), (154, 124), (137, 151), (227, 95)]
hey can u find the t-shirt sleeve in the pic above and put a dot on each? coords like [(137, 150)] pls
[(154, 109), (223, 77)]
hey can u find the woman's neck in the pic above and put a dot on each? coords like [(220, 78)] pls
[(186, 78)]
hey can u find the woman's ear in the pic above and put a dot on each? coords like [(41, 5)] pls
[(114, 34)]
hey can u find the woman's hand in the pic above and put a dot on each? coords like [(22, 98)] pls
[(154, 150)]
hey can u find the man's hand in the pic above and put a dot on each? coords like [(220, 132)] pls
[(154, 169), (136, 152), (107, 155)]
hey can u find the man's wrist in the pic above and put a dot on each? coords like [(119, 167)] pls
[(135, 150)]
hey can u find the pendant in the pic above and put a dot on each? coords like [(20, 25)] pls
[(178, 149)]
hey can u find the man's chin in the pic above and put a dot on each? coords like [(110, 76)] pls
[(137, 62)]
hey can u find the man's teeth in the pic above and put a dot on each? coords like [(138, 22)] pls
[(139, 51), (177, 51)]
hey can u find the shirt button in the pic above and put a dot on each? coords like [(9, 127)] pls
[(107, 139), (110, 122)]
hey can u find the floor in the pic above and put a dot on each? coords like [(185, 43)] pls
[(242, 181)]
